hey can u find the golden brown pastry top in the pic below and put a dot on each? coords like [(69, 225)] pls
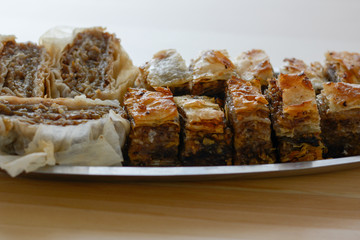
[(298, 96), (166, 69), (254, 64), (293, 65), (212, 65), (201, 113), (246, 96), (148, 108), (293, 106), (346, 65), (315, 72), (341, 96)]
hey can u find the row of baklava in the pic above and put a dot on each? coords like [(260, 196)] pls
[(213, 112), (239, 112)]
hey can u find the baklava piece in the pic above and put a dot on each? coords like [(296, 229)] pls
[(339, 107), (295, 118), (314, 72), (210, 71), (166, 69), (343, 67), (89, 62), (155, 127), (206, 139), (254, 64), (35, 132), (248, 113), (24, 68)]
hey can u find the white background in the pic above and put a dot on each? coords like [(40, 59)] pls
[(303, 29)]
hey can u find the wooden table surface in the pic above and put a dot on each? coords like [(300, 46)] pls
[(323, 206)]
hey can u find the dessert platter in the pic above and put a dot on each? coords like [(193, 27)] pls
[(75, 106)]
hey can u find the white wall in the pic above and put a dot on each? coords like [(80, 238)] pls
[(303, 29)]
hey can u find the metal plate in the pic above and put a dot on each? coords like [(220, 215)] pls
[(194, 173)]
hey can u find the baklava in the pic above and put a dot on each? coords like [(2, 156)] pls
[(205, 136), (314, 72), (35, 132), (88, 62), (155, 127), (248, 113), (295, 118), (254, 64), (343, 67), (24, 68), (210, 71), (339, 107), (166, 69)]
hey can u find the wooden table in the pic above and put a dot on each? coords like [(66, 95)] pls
[(323, 206)]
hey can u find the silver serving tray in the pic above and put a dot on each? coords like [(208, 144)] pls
[(194, 173)]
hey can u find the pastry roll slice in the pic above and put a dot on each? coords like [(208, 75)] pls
[(343, 67), (210, 71), (254, 64), (315, 72), (88, 62), (24, 68), (155, 127), (339, 107), (35, 132), (295, 118), (248, 113), (166, 69), (206, 139)]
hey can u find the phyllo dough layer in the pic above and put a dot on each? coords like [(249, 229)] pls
[(343, 67), (295, 118), (24, 68), (254, 64), (210, 71), (35, 132), (314, 72), (90, 62), (206, 139), (339, 106), (166, 69), (248, 113), (155, 127)]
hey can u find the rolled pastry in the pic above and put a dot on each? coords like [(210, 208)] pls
[(35, 132), (24, 68), (90, 62)]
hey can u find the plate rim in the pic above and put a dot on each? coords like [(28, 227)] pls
[(197, 172)]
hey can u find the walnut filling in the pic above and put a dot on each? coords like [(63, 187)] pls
[(54, 114), (86, 64), (154, 145), (19, 65)]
